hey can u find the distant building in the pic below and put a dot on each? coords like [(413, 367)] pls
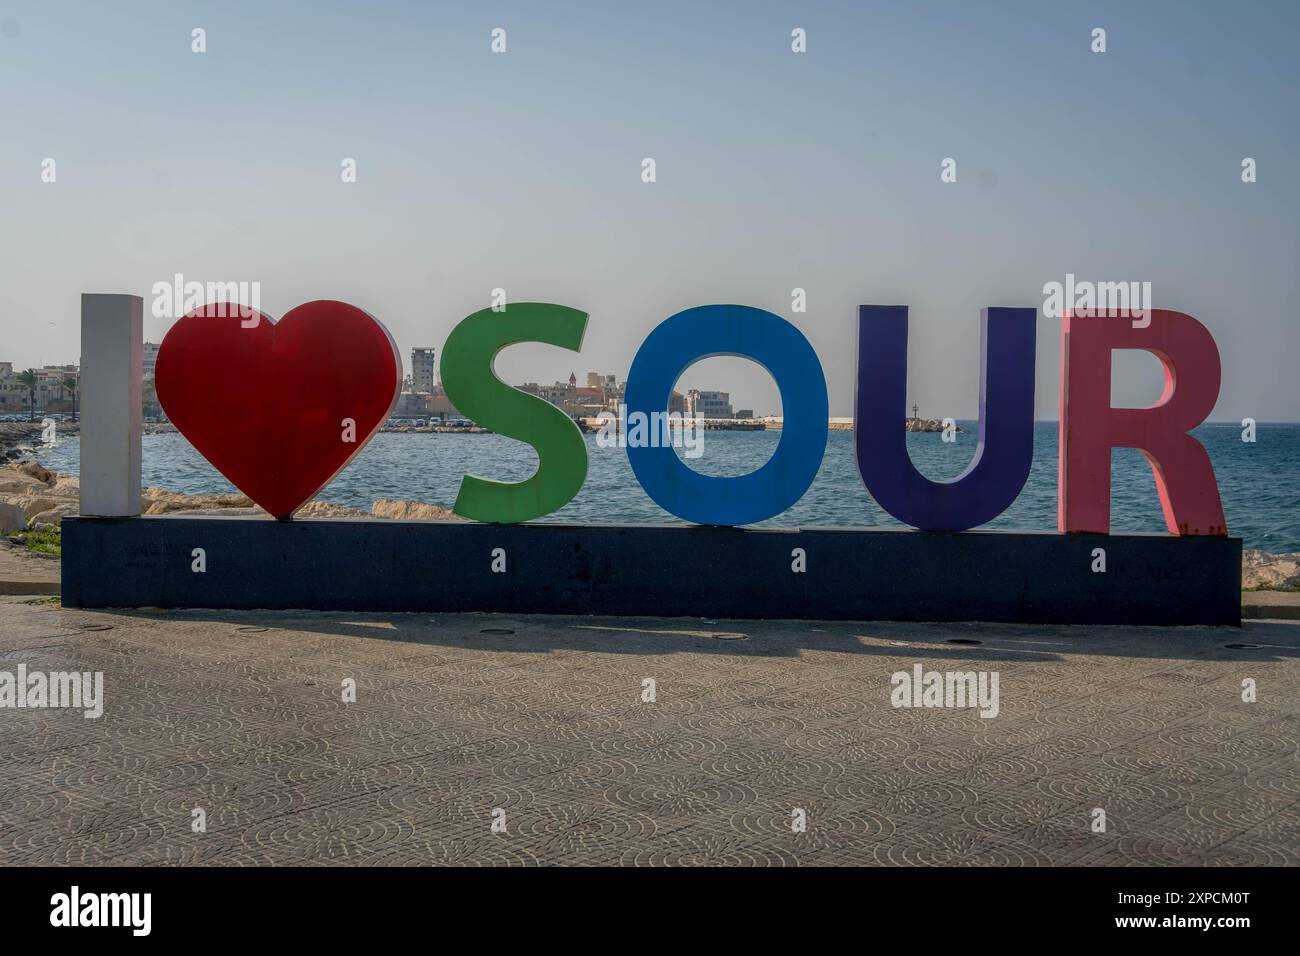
[(611, 394), (602, 393), (744, 413), (561, 394), (52, 395), (149, 359), (588, 401), (707, 403), (440, 405), (13, 394), (422, 369), (413, 405)]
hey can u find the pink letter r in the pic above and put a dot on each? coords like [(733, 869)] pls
[(1090, 428)]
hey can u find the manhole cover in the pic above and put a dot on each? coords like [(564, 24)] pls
[(95, 627), (962, 640), (1243, 647), (730, 637), (497, 630), (250, 629)]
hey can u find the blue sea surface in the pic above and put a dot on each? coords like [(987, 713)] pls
[(1259, 481)]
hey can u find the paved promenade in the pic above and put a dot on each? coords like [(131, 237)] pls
[(541, 725), (22, 572)]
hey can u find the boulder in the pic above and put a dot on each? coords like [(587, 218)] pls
[(12, 518), (155, 501), (411, 511), (31, 505), (252, 511), (323, 509), (51, 519), (66, 486), (34, 470), (13, 483), (1264, 571)]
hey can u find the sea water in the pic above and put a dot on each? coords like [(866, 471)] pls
[(1259, 481)]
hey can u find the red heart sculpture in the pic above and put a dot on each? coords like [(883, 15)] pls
[(269, 403)]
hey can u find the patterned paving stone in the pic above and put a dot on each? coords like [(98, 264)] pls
[(486, 740)]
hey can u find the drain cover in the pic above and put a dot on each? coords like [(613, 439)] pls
[(497, 630), (962, 640), (1243, 647), (95, 627), (250, 629)]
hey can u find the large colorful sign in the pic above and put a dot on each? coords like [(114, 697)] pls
[(279, 408)]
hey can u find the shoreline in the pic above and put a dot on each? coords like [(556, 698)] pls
[(21, 440), (19, 437), (34, 500)]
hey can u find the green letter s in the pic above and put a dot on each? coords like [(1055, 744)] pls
[(469, 353)]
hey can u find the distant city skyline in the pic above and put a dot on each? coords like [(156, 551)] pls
[(774, 171)]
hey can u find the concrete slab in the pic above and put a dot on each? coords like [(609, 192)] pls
[(541, 722), (1271, 605), (22, 572)]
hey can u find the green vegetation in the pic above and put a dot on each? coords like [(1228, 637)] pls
[(44, 542), (1292, 586)]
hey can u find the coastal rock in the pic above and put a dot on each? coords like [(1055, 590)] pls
[(323, 509), (17, 433), (13, 483), (51, 519), (252, 511), (33, 470), (232, 509), (12, 518), (411, 511), (1262, 571), (927, 425), (35, 497), (66, 486), (30, 505), (156, 501)]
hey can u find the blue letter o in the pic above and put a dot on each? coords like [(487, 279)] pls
[(756, 334)]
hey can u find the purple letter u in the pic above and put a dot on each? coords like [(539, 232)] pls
[(1005, 450)]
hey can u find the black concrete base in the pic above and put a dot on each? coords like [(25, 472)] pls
[(673, 571)]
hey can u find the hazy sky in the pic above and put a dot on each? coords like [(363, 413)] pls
[(775, 170)]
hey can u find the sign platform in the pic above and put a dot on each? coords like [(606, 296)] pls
[(174, 561)]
